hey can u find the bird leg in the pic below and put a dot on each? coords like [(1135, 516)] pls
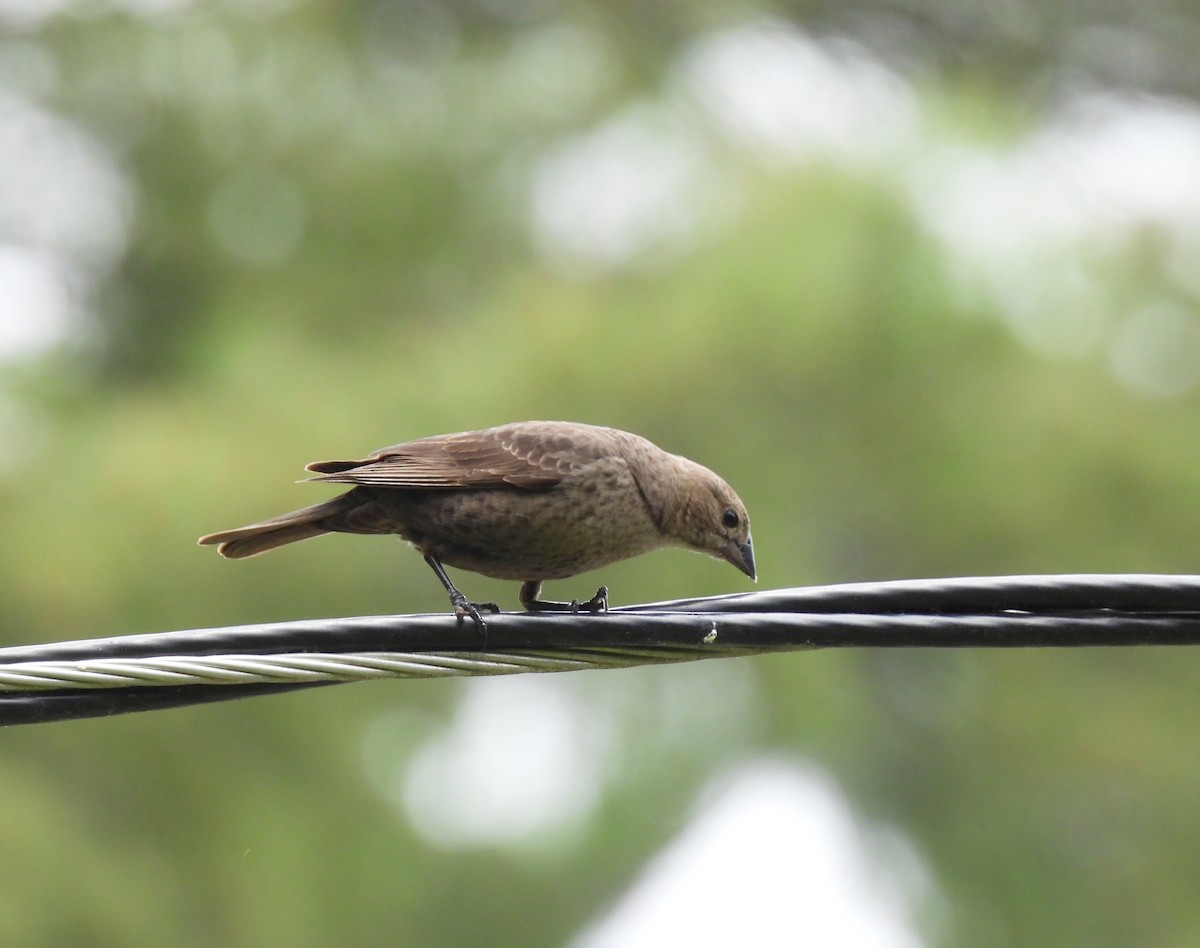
[(462, 605), (531, 589)]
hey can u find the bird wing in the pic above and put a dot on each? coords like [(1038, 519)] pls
[(531, 455)]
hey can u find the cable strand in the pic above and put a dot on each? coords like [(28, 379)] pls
[(158, 670)]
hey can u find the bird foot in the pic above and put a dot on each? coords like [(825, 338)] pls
[(598, 603), (464, 608)]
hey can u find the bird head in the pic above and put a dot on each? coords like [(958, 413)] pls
[(710, 518)]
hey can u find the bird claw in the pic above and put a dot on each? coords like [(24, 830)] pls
[(464, 608), (598, 602)]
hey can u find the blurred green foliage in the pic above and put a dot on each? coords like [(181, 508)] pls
[(329, 250)]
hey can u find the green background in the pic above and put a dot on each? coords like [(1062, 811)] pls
[(927, 317)]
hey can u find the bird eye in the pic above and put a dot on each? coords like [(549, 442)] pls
[(729, 518)]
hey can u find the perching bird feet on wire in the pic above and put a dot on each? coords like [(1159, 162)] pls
[(462, 605), (528, 597)]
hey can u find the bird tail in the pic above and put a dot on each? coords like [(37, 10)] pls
[(268, 534)]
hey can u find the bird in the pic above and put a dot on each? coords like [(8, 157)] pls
[(529, 501)]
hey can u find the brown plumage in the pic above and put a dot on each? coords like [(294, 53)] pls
[(529, 501)]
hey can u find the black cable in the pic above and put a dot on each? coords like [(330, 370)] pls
[(989, 612), (67, 704), (1133, 592)]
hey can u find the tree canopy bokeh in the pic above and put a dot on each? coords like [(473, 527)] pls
[(918, 279)]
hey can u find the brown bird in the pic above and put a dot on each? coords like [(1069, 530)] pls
[(529, 501)]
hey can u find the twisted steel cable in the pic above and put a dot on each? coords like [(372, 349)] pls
[(141, 672)]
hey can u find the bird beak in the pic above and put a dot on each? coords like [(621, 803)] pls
[(741, 555)]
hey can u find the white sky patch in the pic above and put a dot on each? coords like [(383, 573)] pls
[(636, 184), (648, 180), (29, 14), (59, 189), (64, 209), (36, 306), (1102, 169), (522, 757), (1131, 161), (775, 89), (1040, 229), (774, 856)]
